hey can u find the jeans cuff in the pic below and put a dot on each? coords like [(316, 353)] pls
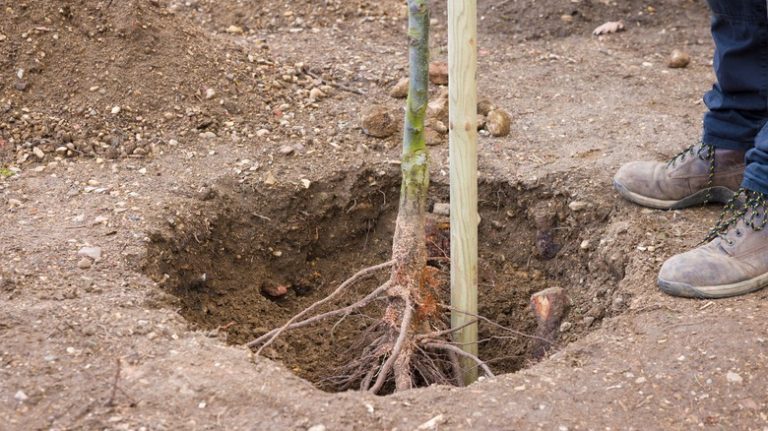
[(755, 186), (727, 144)]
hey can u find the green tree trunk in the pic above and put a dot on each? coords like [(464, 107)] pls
[(409, 247)]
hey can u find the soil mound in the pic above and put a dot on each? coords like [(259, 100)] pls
[(118, 78)]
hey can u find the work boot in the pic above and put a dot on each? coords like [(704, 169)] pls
[(734, 259), (698, 175)]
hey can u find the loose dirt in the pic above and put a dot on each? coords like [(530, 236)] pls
[(220, 178)]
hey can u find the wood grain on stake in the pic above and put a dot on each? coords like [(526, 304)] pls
[(462, 88)]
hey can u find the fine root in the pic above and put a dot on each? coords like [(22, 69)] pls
[(292, 323)]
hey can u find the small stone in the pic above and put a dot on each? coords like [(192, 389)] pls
[(274, 290), (173, 142), (400, 90), (21, 396), (566, 18), (38, 153), (442, 208), (3, 37), (585, 244), (210, 93), (498, 123), (13, 203), (286, 150), (439, 127), (92, 252), (640, 380), (732, 377), (484, 107), (262, 133), (316, 94), (317, 428), (84, 263), (306, 183), (433, 138), (566, 326), (678, 59), (233, 29), (437, 108), (208, 135), (577, 206), (438, 73), (116, 110), (270, 180), (380, 122)]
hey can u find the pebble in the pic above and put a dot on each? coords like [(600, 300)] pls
[(210, 93), (38, 153), (21, 396), (262, 133), (484, 107), (92, 252), (286, 150), (577, 206), (442, 208), (115, 110), (733, 377), (13, 203), (498, 123), (208, 135), (319, 427), (3, 37), (678, 59), (84, 263), (438, 73), (585, 244), (316, 94), (380, 122), (234, 29), (566, 326), (173, 142), (400, 90), (437, 108), (274, 290)]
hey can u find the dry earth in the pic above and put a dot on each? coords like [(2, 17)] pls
[(219, 173)]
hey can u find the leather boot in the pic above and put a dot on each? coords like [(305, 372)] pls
[(733, 262), (698, 175)]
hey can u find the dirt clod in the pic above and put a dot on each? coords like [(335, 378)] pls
[(678, 59), (400, 90), (438, 73), (498, 123), (380, 122)]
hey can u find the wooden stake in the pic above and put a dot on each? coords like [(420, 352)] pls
[(462, 89)]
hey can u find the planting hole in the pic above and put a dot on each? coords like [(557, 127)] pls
[(249, 259)]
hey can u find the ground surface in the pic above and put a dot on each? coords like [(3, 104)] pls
[(191, 176)]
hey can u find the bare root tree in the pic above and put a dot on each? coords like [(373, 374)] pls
[(410, 344)]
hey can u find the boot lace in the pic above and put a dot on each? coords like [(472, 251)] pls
[(704, 152), (746, 205)]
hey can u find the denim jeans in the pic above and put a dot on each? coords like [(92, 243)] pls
[(738, 102)]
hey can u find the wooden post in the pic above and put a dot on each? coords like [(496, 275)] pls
[(462, 90)]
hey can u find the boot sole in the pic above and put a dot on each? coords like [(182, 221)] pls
[(713, 292), (716, 194)]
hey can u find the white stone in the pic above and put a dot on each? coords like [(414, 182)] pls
[(733, 377)]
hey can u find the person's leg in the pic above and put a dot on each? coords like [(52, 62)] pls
[(734, 261), (737, 105), (738, 102)]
